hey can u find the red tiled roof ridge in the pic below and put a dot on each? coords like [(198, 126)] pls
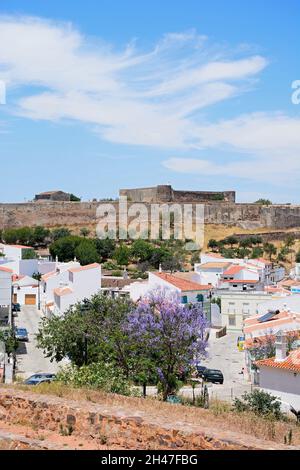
[(181, 283)]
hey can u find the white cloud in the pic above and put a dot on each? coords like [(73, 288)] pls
[(269, 145), (130, 96), (151, 98)]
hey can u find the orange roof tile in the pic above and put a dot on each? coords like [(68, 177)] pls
[(215, 255), (243, 281), (60, 291), (84, 268), (214, 265), (233, 270), (20, 246), (7, 270), (291, 363), (182, 284), (46, 276)]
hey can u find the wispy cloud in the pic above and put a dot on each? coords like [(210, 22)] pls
[(133, 97), (152, 98)]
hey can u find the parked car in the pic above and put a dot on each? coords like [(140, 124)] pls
[(213, 375), (21, 334), (200, 370), (37, 379), (16, 307)]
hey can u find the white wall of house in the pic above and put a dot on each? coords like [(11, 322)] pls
[(208, 275), (236, 306), (282, 383), (84, 284), (22, 291), (5, 288)]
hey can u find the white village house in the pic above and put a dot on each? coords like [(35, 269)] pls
[(82, 282), (280, 375)]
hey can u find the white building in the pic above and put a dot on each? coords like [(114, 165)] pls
[(83, 282), (25, 290), (280, 375), (236, 307), (215, 269), (5, 294), (188, 291)]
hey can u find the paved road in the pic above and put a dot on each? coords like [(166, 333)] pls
[(224, 355), (30, 359)]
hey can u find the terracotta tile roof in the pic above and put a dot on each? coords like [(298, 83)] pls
[(84, 268), (19, 246), (233, 270), (182, 284), (291, 363), (214, 265), (283, 319), (46, 276), (243, 281), (7, 270), (215, 255), (60, 291), (261, 340)]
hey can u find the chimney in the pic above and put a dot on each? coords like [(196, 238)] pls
[(281, 347), (160, 268)]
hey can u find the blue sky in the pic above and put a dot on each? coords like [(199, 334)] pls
[(109, 94)]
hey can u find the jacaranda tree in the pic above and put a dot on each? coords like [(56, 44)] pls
[(172, 336)]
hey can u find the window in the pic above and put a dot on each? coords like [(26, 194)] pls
[(231, 308), (200, 298), (231, 320), (184, 299), (246, 308)]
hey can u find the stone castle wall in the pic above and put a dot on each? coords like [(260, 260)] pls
[(165, 193), (53, 214)]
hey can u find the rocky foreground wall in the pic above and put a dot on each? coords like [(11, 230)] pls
[(114, 426), (51, 214)]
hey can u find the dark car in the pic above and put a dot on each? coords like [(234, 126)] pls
[(200, 370), (21, 334), (16, 307), (214, 376), (37, 379)]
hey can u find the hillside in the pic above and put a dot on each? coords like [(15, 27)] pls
[(53, 417)]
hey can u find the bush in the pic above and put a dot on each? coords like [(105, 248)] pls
[(102, 376), (259, 402)]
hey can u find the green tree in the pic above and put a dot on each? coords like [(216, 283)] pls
[(141, 250), (213, 244), (298, 257), (105, 247), (257, 252), (90, 331), (29, 253), (74, 198), (10, 236), (60, 232), (122, 255), (270, 249), (231, 240), (264, 202), (86, 252), (9, 340), (84, 231), (64, 248), (39, 235)]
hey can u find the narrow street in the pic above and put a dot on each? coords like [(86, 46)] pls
[(30, 359)]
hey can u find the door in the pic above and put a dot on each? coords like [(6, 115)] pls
[(15, 298), (30, 299)]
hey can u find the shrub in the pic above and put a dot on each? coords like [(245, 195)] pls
[(260, 403), (102, 376)]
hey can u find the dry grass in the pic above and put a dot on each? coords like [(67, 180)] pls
[(219, 417)]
